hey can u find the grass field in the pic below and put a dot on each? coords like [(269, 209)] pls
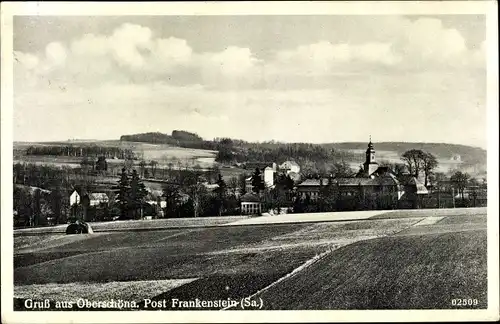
[(361, 264), (138, 225), (161, 153), (413, 272)]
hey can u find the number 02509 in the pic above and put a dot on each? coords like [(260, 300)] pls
[(464, 302)]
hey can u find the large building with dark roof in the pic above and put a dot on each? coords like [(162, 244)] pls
[(373, 187)]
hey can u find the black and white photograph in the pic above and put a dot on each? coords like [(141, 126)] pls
[(205, 157)]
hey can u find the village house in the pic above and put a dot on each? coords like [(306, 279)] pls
[(377, 187), (267, 171), (289, 166), (291, 169), (81, 200), (155, 197), (94, 199)]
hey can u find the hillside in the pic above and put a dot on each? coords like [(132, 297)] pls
[(189, 147), (372, 260), (445, 151), (468, 154), (450, 156)]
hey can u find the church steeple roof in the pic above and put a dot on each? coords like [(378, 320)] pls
[(370, 145)]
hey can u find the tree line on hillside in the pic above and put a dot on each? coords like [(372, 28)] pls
[(81, 151), (231, 151), (178, 138), (469, 154), (313, 158)]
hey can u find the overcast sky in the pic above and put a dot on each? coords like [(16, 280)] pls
[(288, 78)]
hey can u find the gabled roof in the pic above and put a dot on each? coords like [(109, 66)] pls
[(211, 186), (33, 189), (289, 162), (81, 191), (420, 188), (101, 196), (312, 182), (378, 181), (294, 176), (249, 197)]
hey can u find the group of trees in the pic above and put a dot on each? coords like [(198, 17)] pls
[(48, 187), (230, 151), (34, 206), (130, 195), (418, 161), (187, 196), (50, 177), (81, 151), (178, 138)]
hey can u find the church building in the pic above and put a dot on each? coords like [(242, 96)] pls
[(373, 187)]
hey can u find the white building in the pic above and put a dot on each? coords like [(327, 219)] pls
[(267, 170), (74, 198), (269, 175), (163, 204), (290, 166), (98, 198), (94, 199)]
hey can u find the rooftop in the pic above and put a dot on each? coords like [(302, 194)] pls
[(98, 196), (249, 197), (379, 181)]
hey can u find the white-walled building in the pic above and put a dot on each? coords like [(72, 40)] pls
[(74, 198), (94, 199), (269, 175), (267, 171), (290, 166)]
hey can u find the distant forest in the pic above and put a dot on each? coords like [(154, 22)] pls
[(470, 154), (232, 151), (178, 138), (235, 150), (81, 151)]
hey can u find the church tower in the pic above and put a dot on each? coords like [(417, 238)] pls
[(370, 165)]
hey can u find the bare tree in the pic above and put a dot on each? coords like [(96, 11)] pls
[(154, 166), (460, 181), (413, 160), (397, 168), (233, 184), (128, 163), (142, 167), (429, 163)]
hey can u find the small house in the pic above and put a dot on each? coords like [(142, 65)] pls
[(290, 166)]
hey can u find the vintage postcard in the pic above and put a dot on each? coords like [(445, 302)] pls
[(249, 162)]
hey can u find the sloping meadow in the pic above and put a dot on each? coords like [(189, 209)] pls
[(364, 264)]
